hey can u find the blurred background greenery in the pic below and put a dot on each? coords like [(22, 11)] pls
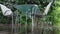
[(53, 15)]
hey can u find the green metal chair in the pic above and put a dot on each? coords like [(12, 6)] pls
[(30, 10)]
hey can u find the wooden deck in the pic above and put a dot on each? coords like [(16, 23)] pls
[(4, 32)]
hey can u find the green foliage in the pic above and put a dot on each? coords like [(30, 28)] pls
[(55, 15)]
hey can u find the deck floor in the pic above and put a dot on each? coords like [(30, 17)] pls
[(3, 32)]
